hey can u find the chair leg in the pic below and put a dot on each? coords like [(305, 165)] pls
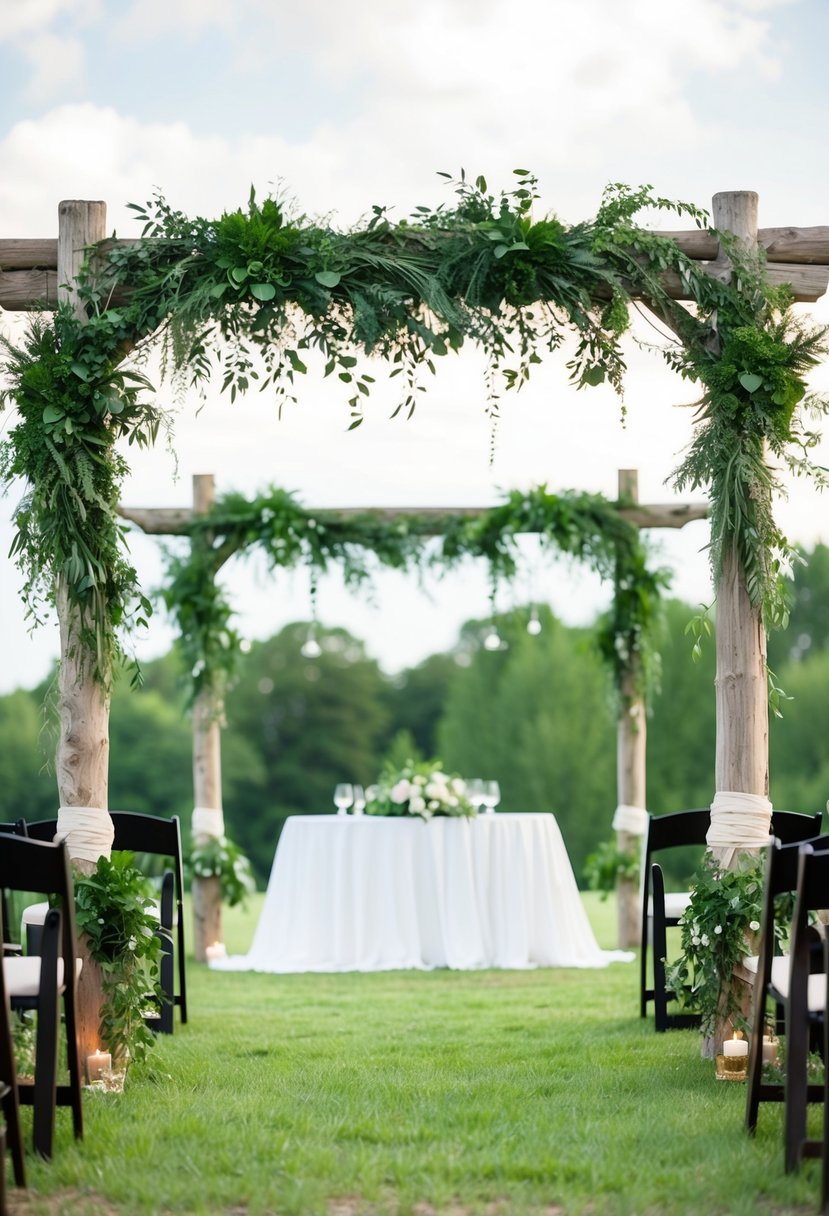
[(14, 1136), (797, 1054), (47, 1040), (166, 969)]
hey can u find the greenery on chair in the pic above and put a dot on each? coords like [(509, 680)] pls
[(114, 913)]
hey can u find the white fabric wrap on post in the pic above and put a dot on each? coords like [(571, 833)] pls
[(87, 830), (738, 821), (207, 821), (630, 819)]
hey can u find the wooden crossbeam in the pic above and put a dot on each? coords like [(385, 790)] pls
[(175, 521), (797, 256)]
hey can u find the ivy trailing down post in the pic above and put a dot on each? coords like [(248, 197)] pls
[(260, 293)]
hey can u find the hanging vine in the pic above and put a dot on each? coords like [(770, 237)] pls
[(259, 291), (585, 526)]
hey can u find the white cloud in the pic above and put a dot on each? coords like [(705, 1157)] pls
[(57, 63)]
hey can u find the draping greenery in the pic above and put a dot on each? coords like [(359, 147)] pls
[(261, 290), (585, 526)]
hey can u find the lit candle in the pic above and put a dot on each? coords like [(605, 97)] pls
[(214, 952), (733, 1048), (97, 1064), (769, 1049)]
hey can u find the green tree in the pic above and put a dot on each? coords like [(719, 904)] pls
[(682, 722), (808, 629), (27, 779), (417, 699), (798, 758), (313, 722), (538, 717)]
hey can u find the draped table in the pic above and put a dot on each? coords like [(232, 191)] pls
[(367, 893)]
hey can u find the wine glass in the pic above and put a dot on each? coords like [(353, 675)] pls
[(359, 800), (343, 798), (475, 793), (491, 796)]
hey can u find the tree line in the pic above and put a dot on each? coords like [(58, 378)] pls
[(537, 714)]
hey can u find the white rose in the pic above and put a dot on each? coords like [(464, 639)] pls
[(434, 805), (458, 786), (401, 792), (420, 779), (434, 790), (417, 804)]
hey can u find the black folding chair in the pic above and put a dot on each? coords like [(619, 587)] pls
[(9, 1096), (771, 976), (155, 836), (679, 829), (662, 910), (42, 983), (805, 1006), (18, 828)]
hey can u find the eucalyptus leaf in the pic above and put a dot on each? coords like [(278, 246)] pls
[(750, 381), (328, 278)]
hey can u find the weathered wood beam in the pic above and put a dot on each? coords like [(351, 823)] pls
[(175, 521), (797, 245), (21, 290), (797, 256), (33, 254)]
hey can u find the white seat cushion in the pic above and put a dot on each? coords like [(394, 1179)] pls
[(780, 969), (675, 904), (35, 914)]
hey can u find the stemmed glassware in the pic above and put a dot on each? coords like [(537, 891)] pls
[(491, 796), (475, 793), (359, 800), (343, 798)]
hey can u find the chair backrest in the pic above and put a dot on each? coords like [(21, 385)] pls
[(42, 868), (791, 827), (41, 829), (673, 831)]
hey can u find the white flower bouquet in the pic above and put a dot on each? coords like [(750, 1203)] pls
[(420, 788)]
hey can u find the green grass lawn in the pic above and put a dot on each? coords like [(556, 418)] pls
[(417, 1093)]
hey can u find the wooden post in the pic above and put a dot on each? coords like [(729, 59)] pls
[(82, 759), (631, 753), (207, 775), (742, 677)]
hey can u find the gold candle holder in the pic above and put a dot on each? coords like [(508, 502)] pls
[(732, 1068)]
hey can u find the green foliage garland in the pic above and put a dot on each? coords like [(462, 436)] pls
[(259, 290), (725, 909), (585, 526), (219, 857), (113, 913)]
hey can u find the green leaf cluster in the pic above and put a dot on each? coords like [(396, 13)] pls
[(609, 865), (724, 911), (114, 913), (219, 857)]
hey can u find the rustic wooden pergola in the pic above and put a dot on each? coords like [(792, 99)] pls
[(631, 726), (34, 273)]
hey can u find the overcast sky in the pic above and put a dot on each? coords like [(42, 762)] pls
[(341, 104)]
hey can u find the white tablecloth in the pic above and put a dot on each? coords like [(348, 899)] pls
[(364, 893)]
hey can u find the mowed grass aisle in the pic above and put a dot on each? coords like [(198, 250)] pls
[(420, 1093)]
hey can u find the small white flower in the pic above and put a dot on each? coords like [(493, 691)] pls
[(100, 920), (433, 804), (735, 903), (401, 791), (754, 925), (694, 941), (417, 804), (718, 929), (705, 939)]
